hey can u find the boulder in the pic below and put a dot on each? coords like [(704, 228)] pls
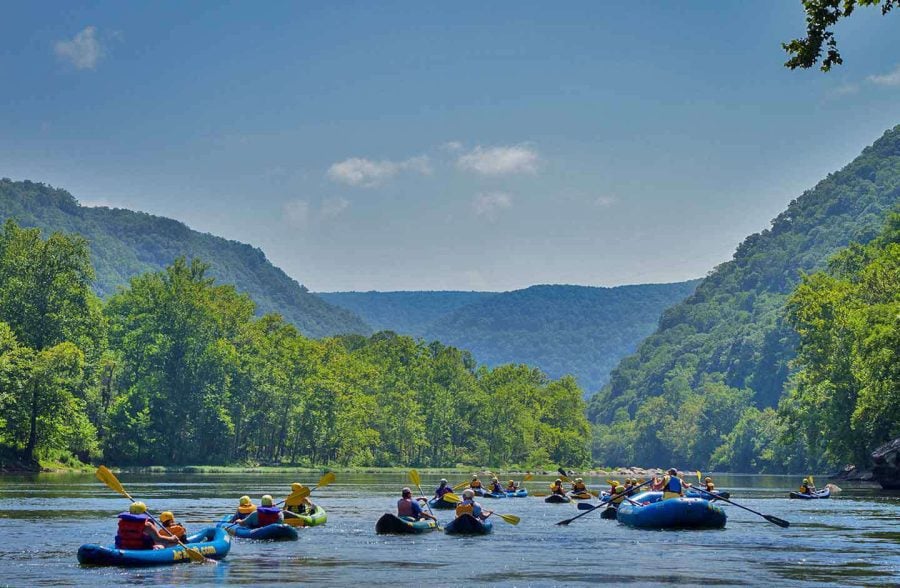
[(886, 465)]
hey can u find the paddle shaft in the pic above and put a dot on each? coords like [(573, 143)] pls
[(772, 519)]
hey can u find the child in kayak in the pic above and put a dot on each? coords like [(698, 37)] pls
[(137, 531), (245, 508), (171, 527), (512, 486), (496, 488)]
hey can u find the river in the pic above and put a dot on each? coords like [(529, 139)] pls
[(853, 539)]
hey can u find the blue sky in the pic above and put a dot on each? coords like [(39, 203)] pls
[(467, 145)]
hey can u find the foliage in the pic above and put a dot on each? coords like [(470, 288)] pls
[(124, 244), (732, 330), (575, 330), (845, 400), (821, 16)]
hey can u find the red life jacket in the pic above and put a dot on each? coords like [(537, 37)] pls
[(267, 515), (405, 508), (131, 532)]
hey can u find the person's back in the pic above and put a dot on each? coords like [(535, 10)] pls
[(245, 508), (132, 529), (469, 506), (673, 486)]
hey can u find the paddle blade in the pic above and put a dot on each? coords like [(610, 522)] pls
[(777, 521), (297, 497), (195, 556), (540, 494), (451, 497), (108, 478), (460, 486), (326, 479), (414, 477), (511, 519), (585, 506), (699, 480)]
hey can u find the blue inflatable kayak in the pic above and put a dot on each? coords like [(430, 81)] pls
[(273, 532), (392, 524), (675, 513), (496, 495), (692, 493), (824, 493), (468, 525), (520, 493), (212, 542)]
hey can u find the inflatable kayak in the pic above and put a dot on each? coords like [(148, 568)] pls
[(520, 493), (496, 495), (824, 493), (441, 504), (468, 525), (557, 499), (273, 532), (212, 542), (392, 524), (675, 513), (318, 517), (692, 493), (609, 513), (580, 495)]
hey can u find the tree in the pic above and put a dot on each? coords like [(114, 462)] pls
[(821, 16)]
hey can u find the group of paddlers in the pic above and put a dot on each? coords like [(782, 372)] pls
[(137, 530)]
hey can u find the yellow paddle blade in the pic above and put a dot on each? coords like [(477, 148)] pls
[(527, 477), (699, 477), (108, 478), (326, 479), (297, 497), (811, 481), (451, 497), (414, 478), (461, 485), (194, 555), (511, 519)]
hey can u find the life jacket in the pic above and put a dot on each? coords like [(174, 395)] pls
[(405, 508), (299, 508), (579, 487), (267, 515), (475, 484), (443, 490), (496, 488), (512, 488), (465, 507), (175, 530), (243, 512), (672, 487), (130, 534), (557, 489)]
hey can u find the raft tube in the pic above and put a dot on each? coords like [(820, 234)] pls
[(496, 495), (824, 493), (557, 499), (392, 524), (318, 517), (212, 542), (675, 513), (466, 524), (520, 493), (273, 532)]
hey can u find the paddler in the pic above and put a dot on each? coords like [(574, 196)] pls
[(708, 484), (442, 489), (475, 484), (807, 487), (617, 496), (557, 487), (245, 508), (496, 487), (469, 506), (302, 505), (170, 526), (578, 486), (511, 486), (409, 507), (629, 484), (137, 531), (672, 486), (266, 514)]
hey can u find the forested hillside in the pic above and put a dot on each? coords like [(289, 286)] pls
[(726, 349), (578, 330), (409, 313), (125, 243)]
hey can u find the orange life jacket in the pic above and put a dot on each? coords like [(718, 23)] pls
[(475, 484), (267, 515), (176, 531), (462, 509), (579, 487), (130, 534)]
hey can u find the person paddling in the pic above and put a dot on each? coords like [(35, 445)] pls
[(167, 519), (496, 487), (511, 486), (807, 487), (302, 505), (470, 507), (266, 514), (409, 507), (557, 487), (578, 486), (475, 484), (245, 508), (442, 489), (708, 484), (137, 531), (672, 486)]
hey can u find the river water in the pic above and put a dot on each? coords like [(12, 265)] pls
[(853, 539)]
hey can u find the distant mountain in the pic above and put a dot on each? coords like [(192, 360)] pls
[(576, 330), (125, 243), (731, 330)]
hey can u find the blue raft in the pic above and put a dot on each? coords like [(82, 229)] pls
[(675, 513), (273, 532), (823, 493), (520, 493), (212, 542), (468, 525), (692, 493)]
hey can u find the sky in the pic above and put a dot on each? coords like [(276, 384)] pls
[(429, 146)]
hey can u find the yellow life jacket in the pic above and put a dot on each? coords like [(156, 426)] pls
[(579, 487), (245, 510), (462, 509), (475, 484)]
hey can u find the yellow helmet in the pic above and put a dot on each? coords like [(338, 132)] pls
[(166, 516), (620, 489), (511, 482), (708, 479), (559, 480), (137, 508), (495, 479), (296, 486), (806, 480), (266, 500), (244, 501)]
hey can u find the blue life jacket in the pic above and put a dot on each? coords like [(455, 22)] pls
[(673, 485)]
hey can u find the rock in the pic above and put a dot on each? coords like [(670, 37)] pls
[(886, 465)]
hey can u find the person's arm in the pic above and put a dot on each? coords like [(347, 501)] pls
[(249, 520), (156, 535)]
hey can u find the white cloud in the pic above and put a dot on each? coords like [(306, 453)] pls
[(452, 146), (605, 201), (489, 204), (333, 207), (83, 51), (888, 79), (502, 160), (365, 173), (296, 212)]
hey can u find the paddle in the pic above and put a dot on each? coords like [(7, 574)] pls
[(511, 519), (772, 519), (325, 480), (108, 478), (417, 481), (604, 503), (460, 486)]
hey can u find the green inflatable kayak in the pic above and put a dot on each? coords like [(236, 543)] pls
[(318, 517)]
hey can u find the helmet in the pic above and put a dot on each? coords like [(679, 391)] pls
[(559, 480), (266, 500), (672, 472), (708, 479), (296, 486), (137, 508), (406, 491), (620, 489), (805, 481), (468, 493), (494, 479), (579, 480), (244, 501), (511, 482), (443, 481), (166, 516), (474, 476)]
